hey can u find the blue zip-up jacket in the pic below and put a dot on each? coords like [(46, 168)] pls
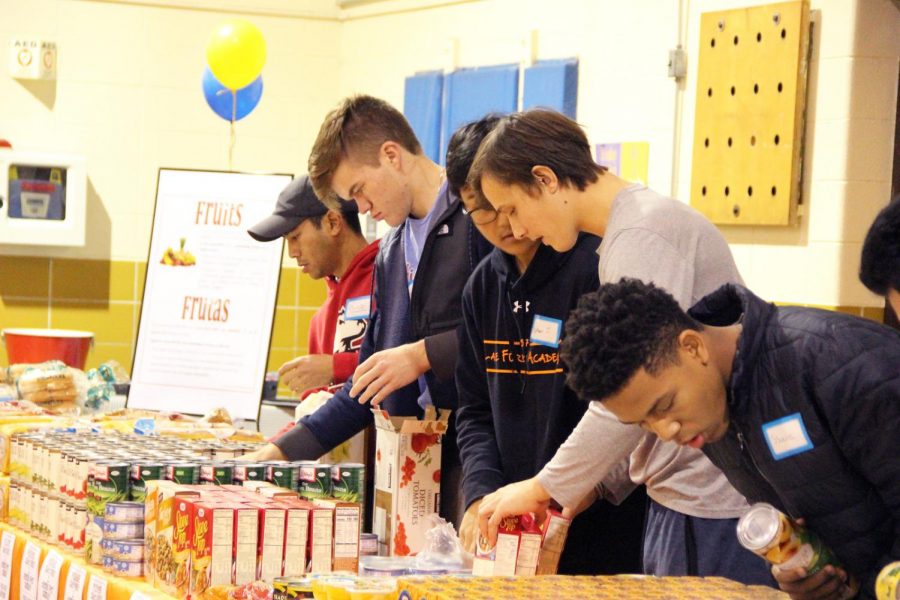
[(452, 249)]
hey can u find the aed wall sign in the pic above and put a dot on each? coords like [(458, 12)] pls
[(31, 58)]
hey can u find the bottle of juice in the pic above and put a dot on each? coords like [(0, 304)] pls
[(768, 532), (887, 586)]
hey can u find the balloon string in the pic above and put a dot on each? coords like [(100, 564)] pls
[(231, 130)]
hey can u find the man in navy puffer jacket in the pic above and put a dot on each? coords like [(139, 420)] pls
[(799, 407)]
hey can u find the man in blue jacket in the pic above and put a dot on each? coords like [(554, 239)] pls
[(366, 151), (799, 407), (510, 381)]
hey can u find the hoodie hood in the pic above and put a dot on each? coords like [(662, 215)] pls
[(545, 264), (732, 304)]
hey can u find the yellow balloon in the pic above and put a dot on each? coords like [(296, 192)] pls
[(236, 53)]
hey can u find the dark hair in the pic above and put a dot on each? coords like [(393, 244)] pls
[(350, 217), (462, 148), (538, 136), (358, 127), (879, 268), (617, 330)]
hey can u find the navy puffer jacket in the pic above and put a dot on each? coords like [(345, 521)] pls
[(841, 375)]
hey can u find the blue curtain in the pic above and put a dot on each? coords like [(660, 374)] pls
[(422, 108), (469, 94), (552, 84)]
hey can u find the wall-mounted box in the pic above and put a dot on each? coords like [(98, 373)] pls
[(43, 198), (31, 58)]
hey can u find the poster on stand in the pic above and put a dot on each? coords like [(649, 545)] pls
[(209, 294)]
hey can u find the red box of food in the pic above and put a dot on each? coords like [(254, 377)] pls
[(296, 537), (212, 554), (347, 516), (246, 543), (271, 540), (182, 545), (556, 529)]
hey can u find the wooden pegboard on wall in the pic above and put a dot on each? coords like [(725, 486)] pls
[(751, 97)]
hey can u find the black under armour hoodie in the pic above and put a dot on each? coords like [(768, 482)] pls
[(514, 407)]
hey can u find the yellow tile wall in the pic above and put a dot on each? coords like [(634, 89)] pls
[(105, 297)]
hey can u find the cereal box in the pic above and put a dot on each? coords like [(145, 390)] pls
[(407, 479), (212, 552), (556, 529), (182, 545), (270, 550), (346, 533), (296, 537), (246, 544), (159, 563), (321, 538)]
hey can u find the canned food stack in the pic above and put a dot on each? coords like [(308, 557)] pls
[(122, 544), (62, 479)]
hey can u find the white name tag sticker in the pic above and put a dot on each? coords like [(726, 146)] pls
[(787, 436), (357, 308), (546, 331)]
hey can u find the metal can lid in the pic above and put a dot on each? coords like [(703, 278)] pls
[(112, 506), (759, 526)]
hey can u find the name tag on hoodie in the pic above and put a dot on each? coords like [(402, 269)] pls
[(546, 331), (787, 436), (357, 308)]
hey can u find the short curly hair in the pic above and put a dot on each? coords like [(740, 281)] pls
[(879, 267), (617, 330)]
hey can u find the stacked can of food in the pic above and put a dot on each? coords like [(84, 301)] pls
[(348, 483), (62, 480), (249, 472), (314, 480), (122, 545), (217, 472)]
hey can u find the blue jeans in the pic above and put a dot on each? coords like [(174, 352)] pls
[(678, 544)]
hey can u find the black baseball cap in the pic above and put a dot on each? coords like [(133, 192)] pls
[(295, 203)]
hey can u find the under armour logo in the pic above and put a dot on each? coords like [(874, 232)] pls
[(517, 306)]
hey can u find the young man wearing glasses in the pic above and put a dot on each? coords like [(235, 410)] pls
[(510, 381)]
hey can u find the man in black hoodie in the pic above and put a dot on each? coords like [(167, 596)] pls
[(514, 409), (798, 407)]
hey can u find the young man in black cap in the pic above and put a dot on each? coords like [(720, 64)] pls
[(326, 243)]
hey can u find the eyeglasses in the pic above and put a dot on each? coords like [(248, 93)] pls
[(481, 215)]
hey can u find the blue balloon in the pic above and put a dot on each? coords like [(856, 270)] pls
[(223, 101)]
